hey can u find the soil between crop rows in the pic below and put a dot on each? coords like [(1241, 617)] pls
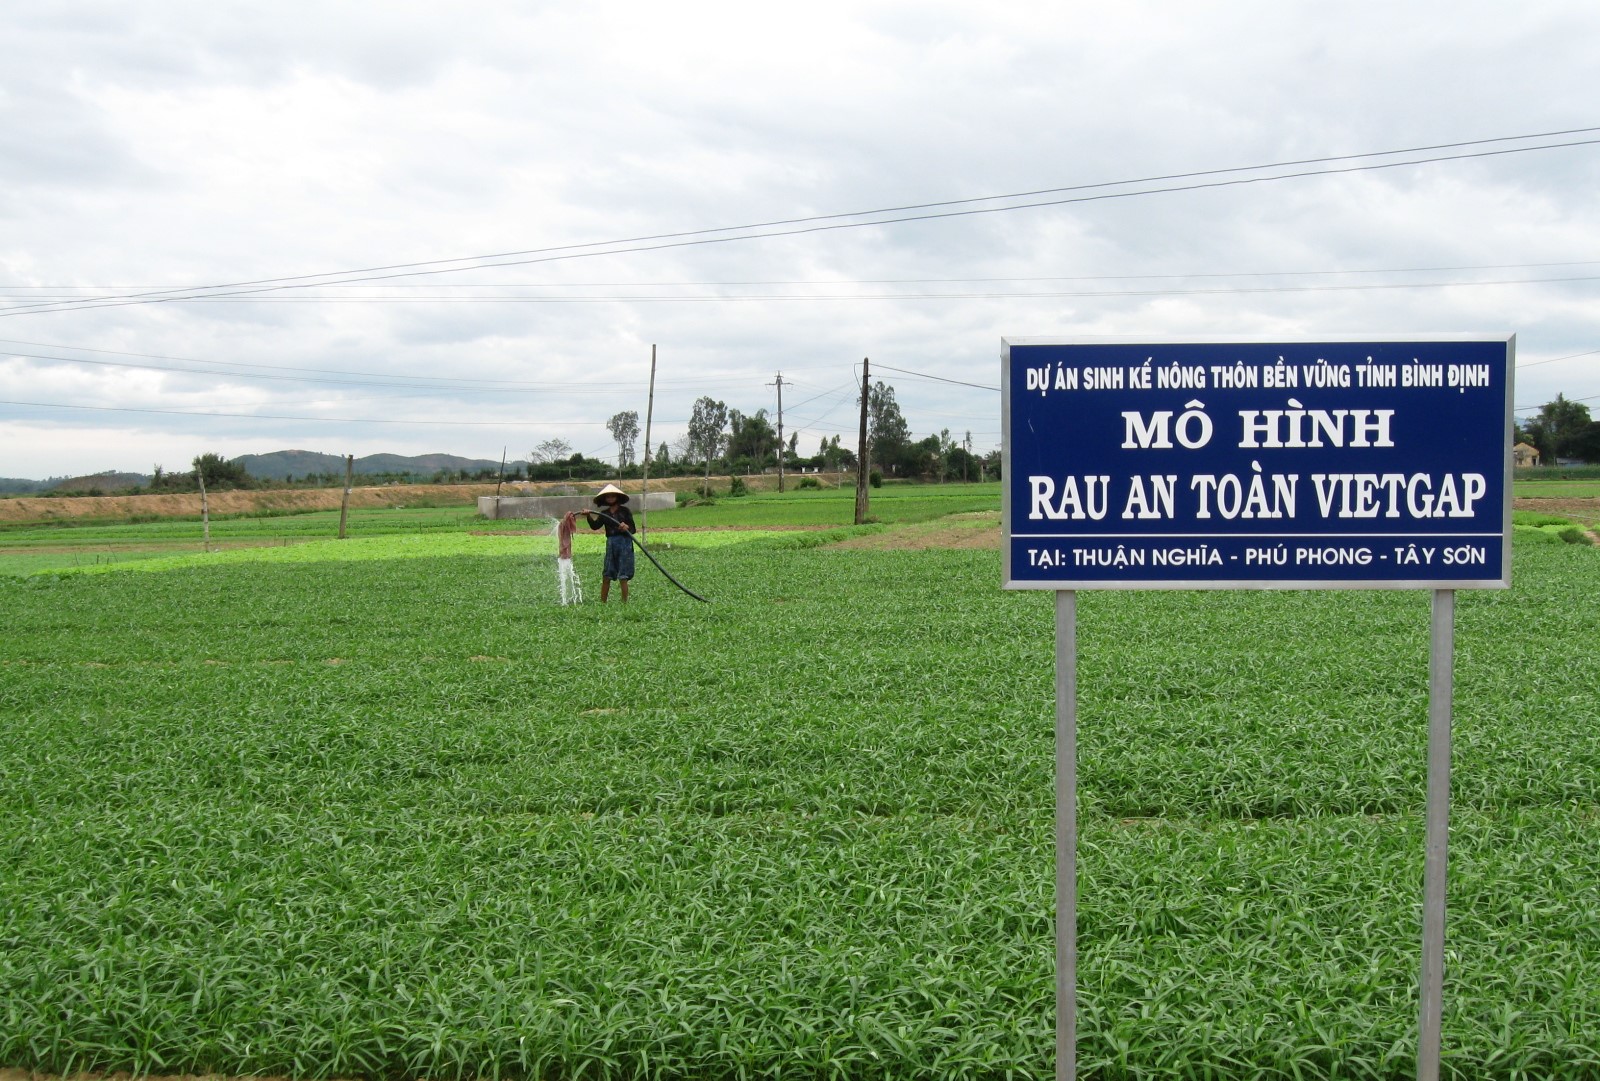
[(1585, 510)]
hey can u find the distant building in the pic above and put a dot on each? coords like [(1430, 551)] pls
[(1524, 456)]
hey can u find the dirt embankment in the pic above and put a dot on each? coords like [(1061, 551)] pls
[(187, 505)]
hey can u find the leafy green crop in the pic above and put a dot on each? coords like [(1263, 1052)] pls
[(384, 817), (419, 546), (69, 546), (836, 506)]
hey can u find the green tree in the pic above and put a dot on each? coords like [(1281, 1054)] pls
[(887, 431), (750, 437), (707, 424), (219, 473), (1557, 426), (831, 455), (920, 458), (946, 446), (550, 451), (624, 428), (1586, 444)]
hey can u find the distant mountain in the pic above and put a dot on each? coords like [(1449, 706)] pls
[(101, 482), (277, 465), (19, 486), (281, 464), (422, 463)]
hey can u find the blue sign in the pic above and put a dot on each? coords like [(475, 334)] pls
[(1244, 464)]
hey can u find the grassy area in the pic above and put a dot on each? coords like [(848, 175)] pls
[(373, 521), (539, 549), (26, 549), (1560, 482), (1532, 526), (1557, 489), (29, 549), (392, 817), (836, 506)]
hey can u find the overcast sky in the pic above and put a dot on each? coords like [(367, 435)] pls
[(182, 146)]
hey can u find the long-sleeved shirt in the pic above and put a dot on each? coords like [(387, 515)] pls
[(620, 513)]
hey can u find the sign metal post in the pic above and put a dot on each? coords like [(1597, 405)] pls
[(1337, 463), (1066, 834), (1441, 695)]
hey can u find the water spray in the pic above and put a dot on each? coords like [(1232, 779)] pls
[(567, 582)]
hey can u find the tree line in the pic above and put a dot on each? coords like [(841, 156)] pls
[(729, 441), (726, 440), (718, 438)]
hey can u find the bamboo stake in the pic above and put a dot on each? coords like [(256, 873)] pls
[(205, 512), (344, 502), (499, 482)]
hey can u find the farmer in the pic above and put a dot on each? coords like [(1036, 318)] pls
[(618, 522)]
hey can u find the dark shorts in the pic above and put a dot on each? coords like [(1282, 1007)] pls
[(619, 558)]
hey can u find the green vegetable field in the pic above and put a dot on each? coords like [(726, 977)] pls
[(382, 809)]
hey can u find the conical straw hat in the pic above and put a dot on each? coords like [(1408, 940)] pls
[(611, 489)]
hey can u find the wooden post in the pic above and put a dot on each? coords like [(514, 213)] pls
[(649, 411), (205, 512), (863, 453), (344, 503)]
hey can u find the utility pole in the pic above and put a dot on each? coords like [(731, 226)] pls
[(779, 385), (863, 452), (649, 410)]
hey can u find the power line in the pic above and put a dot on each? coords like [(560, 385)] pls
[(442, 381), (832, 390), (518, 423), (702, 237), (491, 383), (913, 281), (291, 378), (1552, 360), (938, 378), (752, 298), (439, 385), (846, 395), (1529, 408)]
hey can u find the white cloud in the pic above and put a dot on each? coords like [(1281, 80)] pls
[(158, 146)]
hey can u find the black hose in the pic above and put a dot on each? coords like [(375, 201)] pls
[(637, 543)]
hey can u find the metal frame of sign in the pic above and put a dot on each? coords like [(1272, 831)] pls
[(1149, 520), (1244, 464)]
